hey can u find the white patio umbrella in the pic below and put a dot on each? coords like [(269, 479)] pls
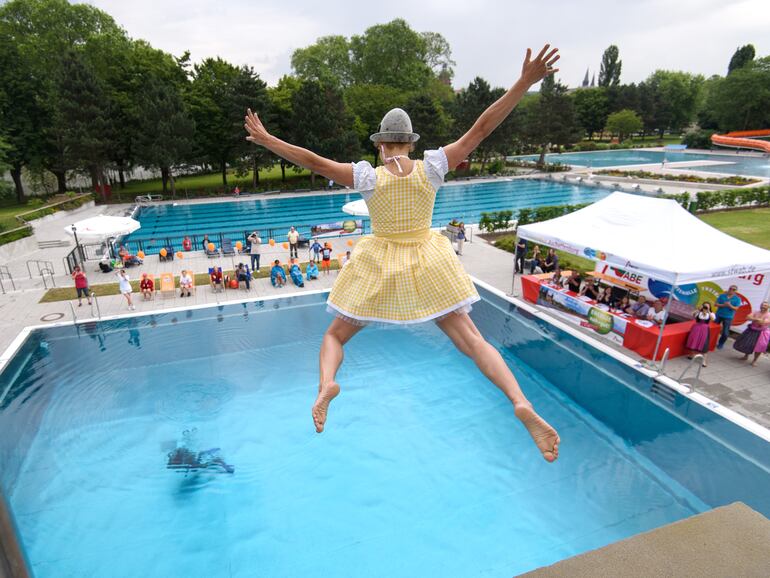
[(102, 227), (357, 208)]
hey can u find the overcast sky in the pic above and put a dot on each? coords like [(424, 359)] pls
[(488, 38)]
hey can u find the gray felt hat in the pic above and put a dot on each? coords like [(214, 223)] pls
[(395, 127)]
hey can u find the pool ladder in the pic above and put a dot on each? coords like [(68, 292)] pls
[(699, 358)]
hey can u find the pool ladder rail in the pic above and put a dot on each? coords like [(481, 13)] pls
[(661, 367), (94, 303)]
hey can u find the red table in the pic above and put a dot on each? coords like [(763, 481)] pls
[(637, 338)]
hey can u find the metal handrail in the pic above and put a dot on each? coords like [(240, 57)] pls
[(695, 358), (72, 308), (6, 272), (43, 273), (663, 360), (95, 301), (46, 265)]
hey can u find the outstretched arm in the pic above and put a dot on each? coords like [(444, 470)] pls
[(531, 72), (339, 172)]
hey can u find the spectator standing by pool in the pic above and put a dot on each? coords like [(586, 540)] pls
[(293, 237), (316, 250), (727, 304), (757, 335), (699, 337), (255, 250), (81, 285), (187, 243), (326, 258), (460, 237), (124, 285), (521, 253)]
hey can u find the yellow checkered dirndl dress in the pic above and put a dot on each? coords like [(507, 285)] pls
[(404, 272)]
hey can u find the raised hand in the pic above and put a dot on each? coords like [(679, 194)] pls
[(257, 132), (536, 70)]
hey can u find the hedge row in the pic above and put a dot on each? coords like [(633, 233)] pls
[(501, 220), (732, 180)]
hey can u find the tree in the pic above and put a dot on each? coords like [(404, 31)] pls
[(322, 123), (623, 123), (391, 54), (609, 70), (741, 101), (218, 98), (328, 61), (468, 106), (670, 100), (167, 132), (430, 121), (551, 118), (84, 118), (741, 57), (281, 97), (369, 103), (438, 54), (591, 109)]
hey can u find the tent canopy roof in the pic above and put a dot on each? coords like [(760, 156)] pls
[(656, 237)]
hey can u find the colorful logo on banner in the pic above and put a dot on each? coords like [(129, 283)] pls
[(684, 293), (628, 276), (695, 294), (592, 254), (600, 320)]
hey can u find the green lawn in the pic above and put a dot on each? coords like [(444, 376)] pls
[(750, 225), (648, 140)]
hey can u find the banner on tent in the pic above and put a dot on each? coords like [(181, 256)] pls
[(752, 289)]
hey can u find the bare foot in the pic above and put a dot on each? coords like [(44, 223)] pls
[(545, 437), (745, 357), (326, 393)]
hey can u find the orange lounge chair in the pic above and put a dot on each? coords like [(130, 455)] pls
[(166, 285)]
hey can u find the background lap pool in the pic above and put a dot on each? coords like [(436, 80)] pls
[(274, 216), (422, 470), (735, 164)]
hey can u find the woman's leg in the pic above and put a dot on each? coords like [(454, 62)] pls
[(466, 337), (337, 335), (756, 358)]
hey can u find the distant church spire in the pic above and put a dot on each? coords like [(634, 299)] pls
[(585, 80), (593, 80)]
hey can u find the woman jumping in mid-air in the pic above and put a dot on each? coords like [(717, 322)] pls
[(380, 283)]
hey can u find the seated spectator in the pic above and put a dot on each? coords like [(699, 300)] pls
[(551, 261), (311, 272), (127, 258), (187, 243), (217, 281), (574, 281), (277, 275), (147, 286), (346, 258), (640, 308), (185, 283), (296, 274), (205, 242), (605, 297), (656, 314), (242, 275), (591, 288), (622, 304), (556, 279), (536, 262)]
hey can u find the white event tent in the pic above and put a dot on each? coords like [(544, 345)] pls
[(656, 237), (653, 236)]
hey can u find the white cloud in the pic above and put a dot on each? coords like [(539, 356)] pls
[(488, 38)]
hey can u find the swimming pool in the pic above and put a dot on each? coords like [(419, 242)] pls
[(736, 164), (422, 469), (168, 223)]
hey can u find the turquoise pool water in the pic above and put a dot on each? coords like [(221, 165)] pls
[(423, 471), (164, 224), (730, 163)]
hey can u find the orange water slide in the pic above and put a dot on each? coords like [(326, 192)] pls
[(744, 139)]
